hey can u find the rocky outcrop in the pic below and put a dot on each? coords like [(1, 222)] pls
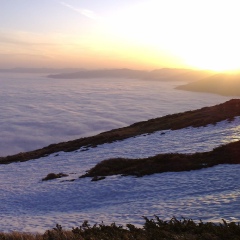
[(52, 176)]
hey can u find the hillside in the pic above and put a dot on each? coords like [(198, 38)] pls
[(42, 192), (227, 154), (196, 118), (222, 84)]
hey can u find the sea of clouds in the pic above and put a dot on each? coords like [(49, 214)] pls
[(37, 111)]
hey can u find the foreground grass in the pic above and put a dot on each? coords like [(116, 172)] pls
[(184, 229)]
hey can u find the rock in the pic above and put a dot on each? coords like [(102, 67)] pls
[(97, 178), (52, 176)]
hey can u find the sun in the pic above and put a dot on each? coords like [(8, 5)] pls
[(202, 34), (207, 35), (217, 55), (218, 63)]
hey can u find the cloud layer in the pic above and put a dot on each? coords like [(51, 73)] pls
[(37, 111), (85, 12)]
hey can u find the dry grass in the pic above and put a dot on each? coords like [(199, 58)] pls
[(184, 229), (20, 236)]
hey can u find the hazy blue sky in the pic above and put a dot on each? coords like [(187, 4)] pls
[(126, 33)]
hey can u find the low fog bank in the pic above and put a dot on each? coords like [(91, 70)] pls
[(37, 111)]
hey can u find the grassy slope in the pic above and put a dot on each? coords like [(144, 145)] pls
[(227, 154), (196, 118)]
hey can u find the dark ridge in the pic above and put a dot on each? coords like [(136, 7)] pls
[(52, 176), (196, 118), (102, 73), (174, 162)]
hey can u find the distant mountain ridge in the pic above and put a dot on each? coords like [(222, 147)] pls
[(101, 73), (39, 70), (164, 74)]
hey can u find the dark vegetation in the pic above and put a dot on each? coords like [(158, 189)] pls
[(196, 118), (52, 176), (184, 229), (174, 162)]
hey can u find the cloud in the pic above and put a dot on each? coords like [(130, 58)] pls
[(85, 12)]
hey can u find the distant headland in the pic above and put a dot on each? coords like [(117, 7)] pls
[(225, 84), (222, 84)]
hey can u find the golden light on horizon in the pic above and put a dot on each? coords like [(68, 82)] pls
[(201, 34), (144, 34)]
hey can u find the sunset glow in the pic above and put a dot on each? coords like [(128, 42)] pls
[(138, 34)]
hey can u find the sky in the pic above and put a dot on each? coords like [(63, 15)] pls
[(140, 34)]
